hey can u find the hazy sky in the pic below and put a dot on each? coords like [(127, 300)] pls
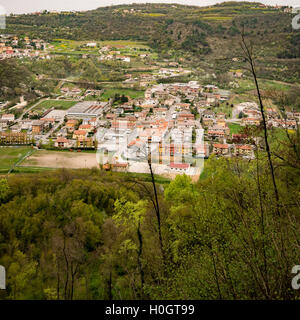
[(25, 6)]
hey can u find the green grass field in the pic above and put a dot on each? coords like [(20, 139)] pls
[(64, 46), (57, 104), (10, 155), (234, 128), (248, 85), (134, 94)]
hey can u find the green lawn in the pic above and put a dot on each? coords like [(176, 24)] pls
[(234, 128), (57, 104), (10, 155), (18, 170), (134, 94), (248, 85)]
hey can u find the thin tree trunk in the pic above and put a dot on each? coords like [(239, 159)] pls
[(140, 251), (110, 297), (67, 270), (58, 282), (262, 225), (249, 58), (215, 273), (157, 210)]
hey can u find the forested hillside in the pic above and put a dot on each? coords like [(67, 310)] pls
[(88, 234), (207, 37), (95, 234)]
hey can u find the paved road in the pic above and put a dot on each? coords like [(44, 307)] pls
[(48, 134), (40, 101), (32, 107)]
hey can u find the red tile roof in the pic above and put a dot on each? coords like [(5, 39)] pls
[(244, 147), (221, 146), (179, 165)]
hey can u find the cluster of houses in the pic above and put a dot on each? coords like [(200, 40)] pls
[(77, 93), (250, 114), (177, 124), (13, 47), (9, 123), (174, 118), (116, 53)]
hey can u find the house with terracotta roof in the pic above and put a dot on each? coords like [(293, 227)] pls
[(63, 143), (71, 124), (80, 134), (186, 116), (179, 167), (243, 150), (218, 132), (122, 124), (252, 113), (221, 149), (86, 127), (85, 143), (120, 167), (215, 134)]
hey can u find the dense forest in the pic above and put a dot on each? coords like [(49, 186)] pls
[(89, 234)]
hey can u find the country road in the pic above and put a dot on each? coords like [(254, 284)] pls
[(32, 107)]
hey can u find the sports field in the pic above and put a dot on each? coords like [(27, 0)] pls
[(59, 159), (57, 104)]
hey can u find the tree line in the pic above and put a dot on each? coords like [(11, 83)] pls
[(89, 234)]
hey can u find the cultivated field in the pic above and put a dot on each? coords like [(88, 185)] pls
[(57, 159)]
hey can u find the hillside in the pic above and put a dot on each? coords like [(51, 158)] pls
[(186, 32), (140, 160)]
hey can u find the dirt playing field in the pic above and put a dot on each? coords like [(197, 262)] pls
[(76, 160), (54, 159)]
